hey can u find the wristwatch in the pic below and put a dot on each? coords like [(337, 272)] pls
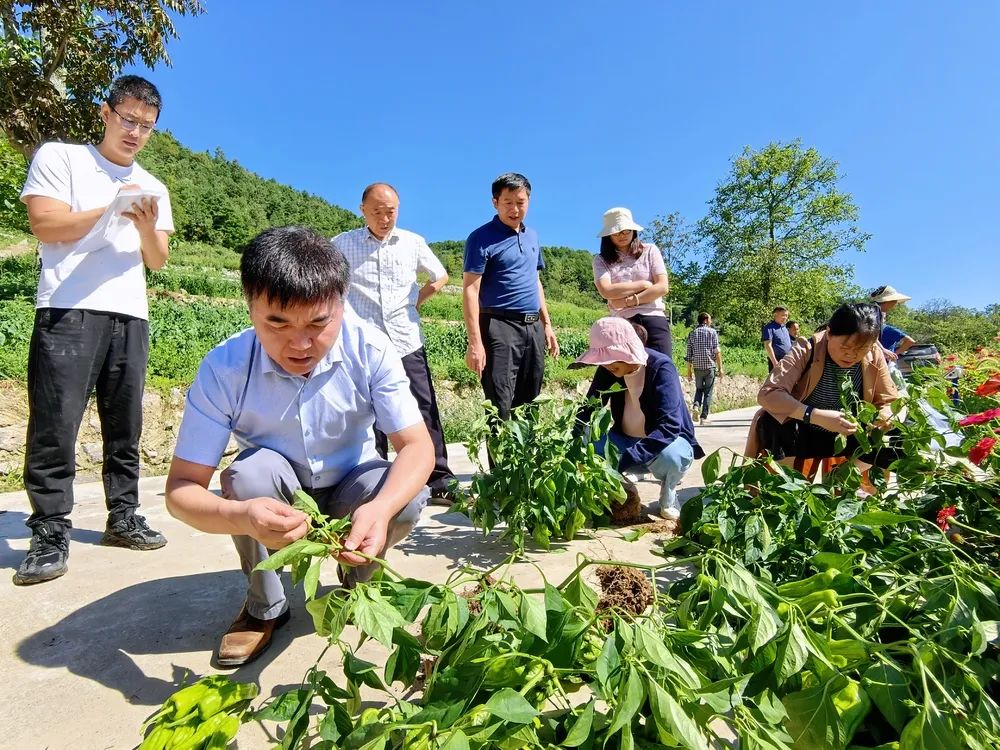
[(807, 416)]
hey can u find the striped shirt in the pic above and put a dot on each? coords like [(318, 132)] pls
[(826, 394), (384, 287), (703, 343)]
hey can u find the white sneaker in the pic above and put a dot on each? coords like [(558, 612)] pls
[(705, 420), (670, 507), (670, 513)]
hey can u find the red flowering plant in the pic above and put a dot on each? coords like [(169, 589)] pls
[(980, 425)]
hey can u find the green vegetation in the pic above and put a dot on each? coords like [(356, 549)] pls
[(57, 59), (790, 615)]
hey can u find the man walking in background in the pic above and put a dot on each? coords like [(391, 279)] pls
[(704, 363), (91, 324), (385, 261), (775, 337), (503, 302)]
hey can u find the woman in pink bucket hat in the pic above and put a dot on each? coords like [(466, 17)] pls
[(651, 427)]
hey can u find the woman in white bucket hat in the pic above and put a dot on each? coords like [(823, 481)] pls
[(632, 277), (892, 340)]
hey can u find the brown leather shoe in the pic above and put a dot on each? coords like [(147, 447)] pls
[(247, 638)]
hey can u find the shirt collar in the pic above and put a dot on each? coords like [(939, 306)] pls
[(335, 355), (392, 237), (501, 225)]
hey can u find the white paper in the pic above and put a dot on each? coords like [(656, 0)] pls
[(112, 223)]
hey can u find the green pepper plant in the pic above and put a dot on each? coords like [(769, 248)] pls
[(546, 480)]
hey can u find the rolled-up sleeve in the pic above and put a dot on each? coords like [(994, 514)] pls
[(394, 404), (428, 262), (208, 418)]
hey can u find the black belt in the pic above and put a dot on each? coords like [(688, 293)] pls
[(520, 317)]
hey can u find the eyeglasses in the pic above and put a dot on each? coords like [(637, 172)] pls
[(131, 125)]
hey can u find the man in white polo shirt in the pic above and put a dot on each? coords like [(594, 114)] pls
[(91, 324), (302, 392), (385, 261)]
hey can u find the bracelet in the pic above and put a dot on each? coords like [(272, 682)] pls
[(807, 417)]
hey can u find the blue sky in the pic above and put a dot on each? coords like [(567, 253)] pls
[(639, 104)]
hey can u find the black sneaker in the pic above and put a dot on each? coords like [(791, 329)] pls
[(134, 533), (46, 559)]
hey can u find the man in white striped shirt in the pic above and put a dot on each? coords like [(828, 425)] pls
[(385, 261)]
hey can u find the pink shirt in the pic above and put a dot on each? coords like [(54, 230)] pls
[(646, 267)]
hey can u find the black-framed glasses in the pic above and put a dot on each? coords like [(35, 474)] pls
[(131, 125)]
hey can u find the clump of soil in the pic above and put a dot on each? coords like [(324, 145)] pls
[(626, 591), (666, 528), (471, 594), (629, 511)]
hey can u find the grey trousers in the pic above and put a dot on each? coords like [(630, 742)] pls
[(261, 472)]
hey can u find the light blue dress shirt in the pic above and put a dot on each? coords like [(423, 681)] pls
[(321, 423)]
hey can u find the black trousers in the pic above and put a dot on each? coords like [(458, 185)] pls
[(792, 439), (658, 332), (515, 362), (419, 373), (72, 353)]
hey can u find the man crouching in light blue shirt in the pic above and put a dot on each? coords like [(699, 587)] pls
[(301, 392)]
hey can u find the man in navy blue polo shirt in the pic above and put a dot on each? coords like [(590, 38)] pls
[(777, 342), (503, 302)]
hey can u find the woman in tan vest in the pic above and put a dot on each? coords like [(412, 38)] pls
[(802, 409)]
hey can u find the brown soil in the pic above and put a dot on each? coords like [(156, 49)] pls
[(663, 528), (626, 591), (472, 592), (161, 418), (629, 511)]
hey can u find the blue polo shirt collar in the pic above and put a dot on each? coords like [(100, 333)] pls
[(501, 225)]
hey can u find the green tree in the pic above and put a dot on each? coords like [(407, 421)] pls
[(680, 245), (58, 58), (776, 228), (13, 170)]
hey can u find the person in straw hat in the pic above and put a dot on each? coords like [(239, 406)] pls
[(651, 428), (632, 277), (892, 340)]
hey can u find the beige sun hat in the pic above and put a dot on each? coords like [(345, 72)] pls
[(888, 294), (617, 220)]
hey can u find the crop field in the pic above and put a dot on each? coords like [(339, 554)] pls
[(196, 303)]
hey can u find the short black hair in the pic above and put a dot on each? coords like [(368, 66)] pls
[(790, 323), (779, 308), (293, 266), (856, 319), (510, 181), (703, 318), (367, 191), (135, 87)]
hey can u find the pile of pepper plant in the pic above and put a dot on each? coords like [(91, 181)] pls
[(791, 615), (900, 587), (546, 480)]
